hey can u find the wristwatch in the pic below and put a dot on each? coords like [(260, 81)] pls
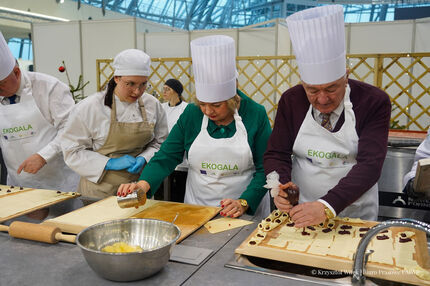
[(328, 213), (243, 203)]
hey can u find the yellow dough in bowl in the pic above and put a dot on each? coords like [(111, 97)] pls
[(121, 247)]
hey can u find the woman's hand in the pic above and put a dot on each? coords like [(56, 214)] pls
[(126, 189), (232, 208)]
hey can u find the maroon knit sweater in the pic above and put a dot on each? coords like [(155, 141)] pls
[(372, 108)]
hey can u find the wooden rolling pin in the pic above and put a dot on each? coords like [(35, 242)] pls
[(37, 232)]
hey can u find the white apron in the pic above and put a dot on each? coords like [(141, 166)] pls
[(318, 165), (220, 168), (24, 131)]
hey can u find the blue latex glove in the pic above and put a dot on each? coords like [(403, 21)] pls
[(140, 161), (120, 163)]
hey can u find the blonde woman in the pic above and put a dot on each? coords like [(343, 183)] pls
[(224, 137)]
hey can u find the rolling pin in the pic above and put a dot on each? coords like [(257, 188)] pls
[(37, 232)]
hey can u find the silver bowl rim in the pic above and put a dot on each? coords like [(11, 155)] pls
[(125, 253)]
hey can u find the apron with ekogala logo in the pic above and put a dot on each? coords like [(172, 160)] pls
[(319, 165)]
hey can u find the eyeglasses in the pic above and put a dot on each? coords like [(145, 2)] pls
[(167, 89)]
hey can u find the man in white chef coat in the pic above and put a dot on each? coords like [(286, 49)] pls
[(33, 110)]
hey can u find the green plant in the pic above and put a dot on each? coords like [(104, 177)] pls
[(394, 124), (74, 90)]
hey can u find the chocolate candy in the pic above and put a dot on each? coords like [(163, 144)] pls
[(342, 232)]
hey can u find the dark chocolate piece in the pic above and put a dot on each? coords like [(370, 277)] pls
[(403, 240), (311, 227), (344, 226), (325, 230), (342, 232), (382, 237), (252, 242), (305, 233), (290, 224), (8, 191), (364, 228)]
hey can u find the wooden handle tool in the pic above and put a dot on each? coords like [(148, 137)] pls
[(37, 232)]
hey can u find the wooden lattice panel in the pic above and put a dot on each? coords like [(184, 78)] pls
[(405, 77)]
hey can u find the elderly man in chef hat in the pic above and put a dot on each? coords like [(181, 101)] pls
[(330, 135), (224, 137), (33, 111)]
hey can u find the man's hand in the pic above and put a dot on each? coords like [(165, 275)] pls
[(282, 201), (32, 164), (306, 214)]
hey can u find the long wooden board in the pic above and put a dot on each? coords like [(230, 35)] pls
[(17, 201), (333, 262), (190, 218)]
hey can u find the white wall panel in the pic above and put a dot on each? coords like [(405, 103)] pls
[(103, 40), (386, 37), (284, 43), (54, 43), (166, 45), (422, 36), (140, 41), (257, 42)]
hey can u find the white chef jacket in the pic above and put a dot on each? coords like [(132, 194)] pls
[(54, 101), (173, 113), (423, 151), (88, 127)]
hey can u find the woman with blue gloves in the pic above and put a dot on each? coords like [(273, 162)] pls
[(111, 135)]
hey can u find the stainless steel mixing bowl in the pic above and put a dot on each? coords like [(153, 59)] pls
[(156, 237)]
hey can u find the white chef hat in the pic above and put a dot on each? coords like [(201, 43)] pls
[(318, 38), (7, 60), (214, 68), (132, 62)]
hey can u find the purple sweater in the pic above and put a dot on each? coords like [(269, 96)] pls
[(372, 108)]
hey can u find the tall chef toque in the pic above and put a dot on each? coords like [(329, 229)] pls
[(132, 62), (318, 38), (7, 60), (214, 68)]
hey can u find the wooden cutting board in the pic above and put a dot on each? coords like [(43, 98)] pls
[(17, 201), (332, 262), (190, 218)]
